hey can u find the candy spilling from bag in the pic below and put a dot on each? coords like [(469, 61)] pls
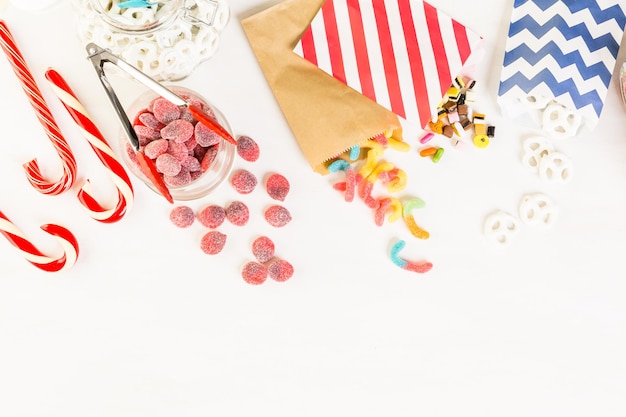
[(401, 54)]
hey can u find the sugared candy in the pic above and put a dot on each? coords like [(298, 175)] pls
[(213, 242), (277, 186), (164, 110), (182, 216), (254, 273), (212, 216), (178, 130), (277, 216), (263, 249), (237, 213), (248, 149), (280, 270), (205, 136), (243, 181)]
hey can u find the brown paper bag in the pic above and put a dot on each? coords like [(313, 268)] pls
[(326, 116)]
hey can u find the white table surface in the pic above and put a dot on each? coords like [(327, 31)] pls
[(145, 324)]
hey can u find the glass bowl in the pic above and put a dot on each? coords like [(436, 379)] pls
[(207, 164)]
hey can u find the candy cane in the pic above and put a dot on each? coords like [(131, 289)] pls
[(125, 195), (33, 255), (33, 173)]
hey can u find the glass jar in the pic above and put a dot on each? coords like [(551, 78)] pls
[(207, 165), (166, 40)]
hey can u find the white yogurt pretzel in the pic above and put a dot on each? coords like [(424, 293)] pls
[(560, 122), (536, 102), (538, 210), (500, 227), (556, 167), (535, 148)]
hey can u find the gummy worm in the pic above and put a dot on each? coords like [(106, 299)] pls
[(420, 267), (387, 177), (350, 184), (382, 167), (399, 145), (354, 152), (375, 151), (409, 220), (398, 183), (385, 205), (33, 173), (338, 165), (102, 149), (382, 139), (33, 255), (379, 214), (366, 187)]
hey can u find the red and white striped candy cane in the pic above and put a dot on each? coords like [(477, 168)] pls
[(102, 149), (33, 255), (34, 175)]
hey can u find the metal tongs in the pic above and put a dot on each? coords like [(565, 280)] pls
[(98, 57)]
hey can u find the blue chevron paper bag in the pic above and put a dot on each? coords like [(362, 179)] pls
[(560, 53)]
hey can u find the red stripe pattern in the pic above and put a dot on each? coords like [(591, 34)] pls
[(103, 151), (403, 54), (33, 255), (34, 175)]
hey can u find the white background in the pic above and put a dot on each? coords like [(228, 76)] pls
[(145, 324)]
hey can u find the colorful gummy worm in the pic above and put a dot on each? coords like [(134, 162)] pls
[(419, 267)]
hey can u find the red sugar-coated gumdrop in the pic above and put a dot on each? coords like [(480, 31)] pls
[(254, 273), (277, 186), (208, 156), (277, 216), (146, 134), (155, 148), (237, 213), (248, 149), (263, 249), (213, 242), (185, 114), (212, 216), (165, 111), (149, 120), (191, 144), (182, 178), (205, 136), (178, 130), (243, 181), (168, 164), (177, 150), (182, 216), (191, 164), (280, 270)]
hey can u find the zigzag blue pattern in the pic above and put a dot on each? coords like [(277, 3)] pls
[(552, 49), (614, 12), (527, 22), (558, 88), (542, 4)]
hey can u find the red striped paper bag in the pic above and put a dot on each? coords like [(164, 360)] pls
[(402, 54), (326, 116)]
